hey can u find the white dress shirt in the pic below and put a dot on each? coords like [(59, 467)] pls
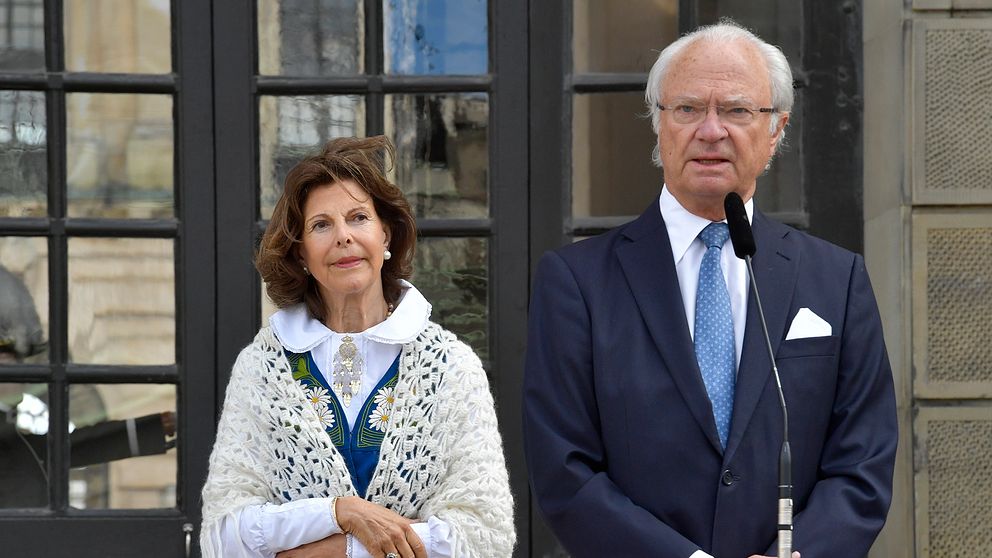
[(687, 251), (262, 530)]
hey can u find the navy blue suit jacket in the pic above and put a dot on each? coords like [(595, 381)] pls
[(620, 438)]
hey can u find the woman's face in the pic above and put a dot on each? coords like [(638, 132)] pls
[(343, 241)]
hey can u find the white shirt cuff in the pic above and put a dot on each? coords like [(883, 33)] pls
[(700, 554), (272, 528)]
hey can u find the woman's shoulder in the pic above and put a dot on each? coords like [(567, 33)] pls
[(262, 346)]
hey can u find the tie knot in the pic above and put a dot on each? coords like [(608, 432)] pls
[(714, 235)]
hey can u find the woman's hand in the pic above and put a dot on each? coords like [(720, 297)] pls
[(335, 546), (380, 530)]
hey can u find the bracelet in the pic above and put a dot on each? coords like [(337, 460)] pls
[(334, 513), (350, 547)]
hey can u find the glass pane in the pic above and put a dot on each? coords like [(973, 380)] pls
[(118, 36), (612, 172), (23, 154), (436, 36), (22, 35), (23, 299), (120, 155), (311, 37), (290, 128), (122, 438), (442, 152), (23, 445), (122, 301), (453, 274), (599, 45)]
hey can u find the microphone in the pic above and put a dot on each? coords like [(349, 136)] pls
[(744, 247)]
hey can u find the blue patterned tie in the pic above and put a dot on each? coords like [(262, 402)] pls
[(714, 330)]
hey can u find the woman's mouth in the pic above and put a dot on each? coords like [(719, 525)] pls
[(348, 262)]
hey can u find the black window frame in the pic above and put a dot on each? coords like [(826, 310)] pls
[(60, 529), (506, 228)]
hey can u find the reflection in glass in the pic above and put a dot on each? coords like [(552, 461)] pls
[(23, 155), (23, 299), (118, 36), (122, 301), (23, 445), (436, 36), (453, 274), (612, 172), (122, 438), (311, 37), (648, 26), (120, 155), (22, 35), (442, 152), (290, 128)]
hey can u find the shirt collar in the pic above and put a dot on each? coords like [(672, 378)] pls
[(299, 332), (683, 227)]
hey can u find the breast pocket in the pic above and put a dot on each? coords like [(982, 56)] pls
[(826, 346)]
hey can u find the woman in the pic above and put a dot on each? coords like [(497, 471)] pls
[(353, 425)]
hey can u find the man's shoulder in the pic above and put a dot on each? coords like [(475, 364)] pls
[(812, 248)]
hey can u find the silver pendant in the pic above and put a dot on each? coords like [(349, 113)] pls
[(348, 369)]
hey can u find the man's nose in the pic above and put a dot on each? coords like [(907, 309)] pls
[(711, 129)]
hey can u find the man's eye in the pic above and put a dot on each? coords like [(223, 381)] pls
[(739, 111), (687, 109)]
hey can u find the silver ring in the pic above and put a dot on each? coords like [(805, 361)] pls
[(392, 555)]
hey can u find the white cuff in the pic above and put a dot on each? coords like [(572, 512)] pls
[(700, 554)]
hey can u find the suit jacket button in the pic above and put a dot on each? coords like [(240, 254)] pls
[(727, 478)]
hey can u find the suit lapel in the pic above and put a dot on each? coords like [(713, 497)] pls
[(646, 260), (776, 266)]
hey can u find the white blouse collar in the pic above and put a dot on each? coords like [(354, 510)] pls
[(299, 333)]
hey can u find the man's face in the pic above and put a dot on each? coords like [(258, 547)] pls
[(706, 160)]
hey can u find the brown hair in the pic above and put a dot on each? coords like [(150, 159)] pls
[(363, 160)]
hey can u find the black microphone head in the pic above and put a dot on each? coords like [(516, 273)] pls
[(740, 228)]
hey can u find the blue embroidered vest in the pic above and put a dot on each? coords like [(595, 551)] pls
[(360, 444)]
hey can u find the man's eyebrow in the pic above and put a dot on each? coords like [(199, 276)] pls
[(688, 100), (737, 100)]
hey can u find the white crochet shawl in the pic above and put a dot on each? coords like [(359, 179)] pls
[(441, 456)]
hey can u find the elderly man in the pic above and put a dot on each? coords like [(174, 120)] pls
[(652, 421)]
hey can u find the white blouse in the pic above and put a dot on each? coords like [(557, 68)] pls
[(261, 531)]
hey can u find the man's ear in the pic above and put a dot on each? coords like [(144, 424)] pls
[(783, 120)]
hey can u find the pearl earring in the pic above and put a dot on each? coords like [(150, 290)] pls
[(306, 270), (387, 254)]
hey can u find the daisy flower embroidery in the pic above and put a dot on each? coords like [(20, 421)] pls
[(385, 397), (326, 417), (318, 397), (379, 419)]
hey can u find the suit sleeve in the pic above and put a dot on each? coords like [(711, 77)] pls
[(855, 487), (569, 475)]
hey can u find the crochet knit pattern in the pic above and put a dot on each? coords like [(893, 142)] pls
[(441, 456)]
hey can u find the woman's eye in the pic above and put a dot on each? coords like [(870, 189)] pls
[(318, 225), (361, 217)]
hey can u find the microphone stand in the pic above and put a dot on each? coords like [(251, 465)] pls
[(785, 456)]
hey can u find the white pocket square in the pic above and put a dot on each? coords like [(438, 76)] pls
[(807, 324)]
